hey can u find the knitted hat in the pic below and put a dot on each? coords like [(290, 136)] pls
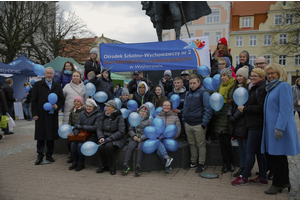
[(222, 41), (185, 72), (79, 98), (111, 103), (91, 102), (94, 50), (243, 71), (168, 72), (227, 72), (143, 108), (125, 92)]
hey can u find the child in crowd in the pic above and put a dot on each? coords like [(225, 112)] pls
[(66, 74), (74, 116), (90, 75), (138, 138), (159, 97), (125, 97)]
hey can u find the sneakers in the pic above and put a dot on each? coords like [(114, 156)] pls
[(199, 168), (168, 170), (137, 170), (259, 181), (168, 161), (193, 165), (240, 181), (125, 169)]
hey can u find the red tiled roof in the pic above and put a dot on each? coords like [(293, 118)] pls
[(248, 8)]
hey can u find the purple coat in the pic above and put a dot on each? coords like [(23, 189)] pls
[(64, 79)]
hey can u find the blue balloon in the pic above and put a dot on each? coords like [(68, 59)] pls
[(216, 81), (157, 111), (207, 83), (170, 144), (65, 130), (240, 96), (149, 146), (100, 96), (52, 98), (152, 107), (39, 70), (175, 99), (159, 125), (151, 117), (150, 132), (90, 89), (125, 112), (89, 148), (32, 82), (134, 119), (203, 70), (170, 131), (119, 102), (216, 101), (47, 106), (132, 105), (27, 88)]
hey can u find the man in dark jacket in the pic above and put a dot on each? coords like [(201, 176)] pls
[(167, 82), (143, 94), (9, 96), (46, 122), (185, 75), (137, 78), (3, 107), (196, 112)]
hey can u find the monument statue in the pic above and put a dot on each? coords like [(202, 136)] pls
[(174, 14)]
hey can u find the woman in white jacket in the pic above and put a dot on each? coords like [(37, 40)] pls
[(71, 90)]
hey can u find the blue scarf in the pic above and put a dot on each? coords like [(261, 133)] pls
[(273, 84), (67, 72)]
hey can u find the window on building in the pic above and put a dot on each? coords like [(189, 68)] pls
[(297, 59), (278, 19), (237, 60), (289, 18), (189, 23), (218, 36), (238, 41), (282, 39), (252, 60), (282, 59), (214, 17), (252, 40), (206, 34), (268, 58), (297, 38), (267, 40), (192, 35), (165, 37), (181, 36), (246, 22)]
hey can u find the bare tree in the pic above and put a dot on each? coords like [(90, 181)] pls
[(285, 33)]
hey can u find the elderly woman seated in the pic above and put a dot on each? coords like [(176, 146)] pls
[(111, 134)]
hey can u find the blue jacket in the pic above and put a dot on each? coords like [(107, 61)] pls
[(64, 79), (278, 114), (118, 92), (246, 63), (197, 111)]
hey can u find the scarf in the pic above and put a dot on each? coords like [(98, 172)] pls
[(225, 87), (273, 84), (76, 109)]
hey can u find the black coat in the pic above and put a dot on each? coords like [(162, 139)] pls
[(89, 121), (168, 86), (47, 124), (239, 127), (254, 107), (132, 85), (147, 98), (113, 127), (90, 65), (3, 104), (29, 96), (9, 95)]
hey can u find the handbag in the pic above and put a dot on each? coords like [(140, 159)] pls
[(10, 122), (81, 137), (23, 100), (3, 122)]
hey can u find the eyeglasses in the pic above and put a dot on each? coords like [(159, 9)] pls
[(260, 63), (254, 76), (271, 73), (221, 63)]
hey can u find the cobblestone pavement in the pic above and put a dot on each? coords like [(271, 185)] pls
[(21, 179)]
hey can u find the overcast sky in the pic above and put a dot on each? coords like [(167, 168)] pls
[(124, 21)]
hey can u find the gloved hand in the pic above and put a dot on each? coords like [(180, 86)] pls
[(108, 139), (278, 134), (203, 126), (78, 126), (75, 132), (231, 118), (217, 113)]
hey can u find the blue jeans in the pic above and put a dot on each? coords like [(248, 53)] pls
[(252, 149), (78, 157), (161, 152), (242, 150), (10, 112), (26, 109)]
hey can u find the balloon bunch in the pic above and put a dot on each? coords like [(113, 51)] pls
[(166, 134), (52, 98), (39, 70), (212, 83), (90, 90)]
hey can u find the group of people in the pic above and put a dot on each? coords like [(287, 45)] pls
[(264, 126)]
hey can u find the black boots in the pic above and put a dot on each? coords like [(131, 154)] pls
[(224, 168), (239, 172), (228, 166)]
